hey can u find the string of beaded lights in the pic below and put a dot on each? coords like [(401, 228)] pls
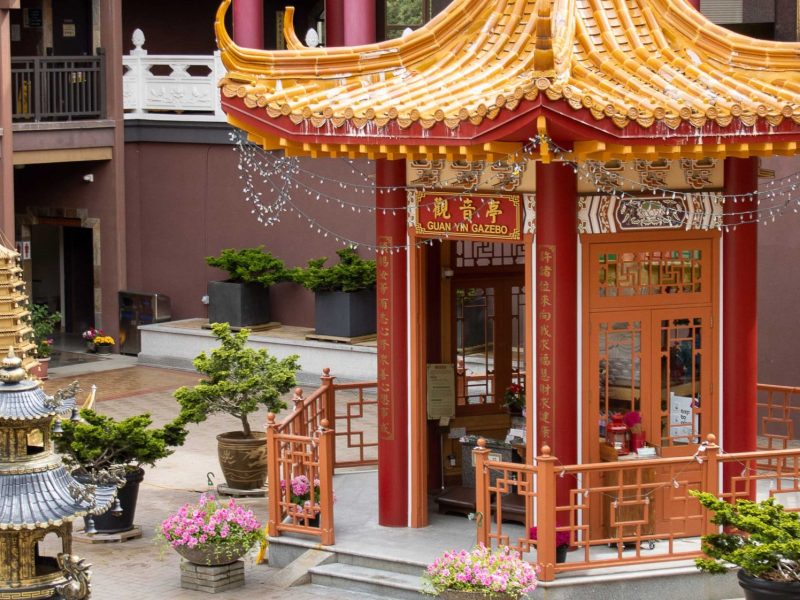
[(254, 160)]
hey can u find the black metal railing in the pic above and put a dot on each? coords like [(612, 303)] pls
[(58, 88)]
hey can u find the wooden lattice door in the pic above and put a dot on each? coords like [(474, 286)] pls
[(650, 347)]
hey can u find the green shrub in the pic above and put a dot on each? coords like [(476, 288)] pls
[(98, 442), (351, 274), (43, 323), (250, 265), (767, 544), (240, 380)]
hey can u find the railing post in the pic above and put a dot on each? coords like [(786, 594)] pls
[(546, 514), (38, 90), (326, 382), (710, 466), (299, 422), (273, 478), (483, 509), (219, 73), (326, 443)]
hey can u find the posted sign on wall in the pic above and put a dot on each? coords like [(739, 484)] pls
[(468, 215)]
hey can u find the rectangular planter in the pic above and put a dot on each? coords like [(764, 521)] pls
[(345, 314), (240, 304)]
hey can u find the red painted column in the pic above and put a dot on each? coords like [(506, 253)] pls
[(739, 318), (359, 22), (556, 315), (334, 23), (248, 23), (392, 347)]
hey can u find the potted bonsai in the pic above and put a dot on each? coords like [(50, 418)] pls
[(760, 537), (43, 324), (96, 443), (243, 298), (344, 294), (240, 380)]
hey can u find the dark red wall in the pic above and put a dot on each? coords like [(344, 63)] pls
[(779, 289), (185, 202)]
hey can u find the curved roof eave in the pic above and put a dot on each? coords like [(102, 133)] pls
[(636, 73)]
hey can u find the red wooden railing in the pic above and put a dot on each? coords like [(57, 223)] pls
[(613, 505), (303, 444), (778, 416)]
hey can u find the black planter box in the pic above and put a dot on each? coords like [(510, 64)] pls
[(240, 304), (345, 314)]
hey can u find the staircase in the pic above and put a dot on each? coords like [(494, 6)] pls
[(365, 572)]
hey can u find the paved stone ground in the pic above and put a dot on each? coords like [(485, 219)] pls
[(142, 568)]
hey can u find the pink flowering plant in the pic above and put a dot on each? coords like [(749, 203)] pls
[(227, 530), (481, 570), (301, 491)]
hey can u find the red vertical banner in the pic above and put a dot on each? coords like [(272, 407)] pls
[(384, 298), (545, 343)]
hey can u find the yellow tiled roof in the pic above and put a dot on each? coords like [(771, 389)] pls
[(625, 61)]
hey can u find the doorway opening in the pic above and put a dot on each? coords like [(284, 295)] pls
[(62, 271)]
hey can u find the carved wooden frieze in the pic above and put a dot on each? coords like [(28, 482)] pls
[(612, 214)]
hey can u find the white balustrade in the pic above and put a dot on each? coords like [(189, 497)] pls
[(173, 87)]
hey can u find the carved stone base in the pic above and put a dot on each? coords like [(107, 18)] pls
[(212, 579)]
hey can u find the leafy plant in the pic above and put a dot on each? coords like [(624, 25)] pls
[(98, 441), (481, 570), (43, 323), (250, 265), (767, 544), (351, 274), (240, 380)]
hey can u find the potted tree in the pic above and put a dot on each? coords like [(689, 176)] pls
[(96, 443), (239, 381), (762, 538), (344, 294), (243, 298), (43, 324)]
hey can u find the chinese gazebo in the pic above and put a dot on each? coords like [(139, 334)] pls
[(590, 170)]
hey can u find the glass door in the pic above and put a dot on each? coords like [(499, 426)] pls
[(489, 341)]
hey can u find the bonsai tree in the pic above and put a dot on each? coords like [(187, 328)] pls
[(351, 274), (766, 544), (97, 442), (240, 380), (250, 265), (43, 323)]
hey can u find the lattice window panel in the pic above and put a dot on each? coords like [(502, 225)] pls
[(488, 254), (652, 272)]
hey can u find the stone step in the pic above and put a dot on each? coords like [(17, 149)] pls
[(377, 582)]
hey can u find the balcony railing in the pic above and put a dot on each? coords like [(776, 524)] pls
[(175, 87), (58, 88)]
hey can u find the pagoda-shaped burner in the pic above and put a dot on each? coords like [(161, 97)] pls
[(15, 329), (38, 496)]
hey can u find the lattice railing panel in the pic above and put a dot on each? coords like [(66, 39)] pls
[(355, 424)]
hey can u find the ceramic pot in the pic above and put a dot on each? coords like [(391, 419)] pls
[(103, 348), (561, 553), (212, 555), (41, 369), (128, 496), (243, 459), (89, 346), (764, 589)]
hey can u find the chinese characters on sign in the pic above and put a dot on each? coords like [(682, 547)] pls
[(545, 341), (384, 298), (475, 216)]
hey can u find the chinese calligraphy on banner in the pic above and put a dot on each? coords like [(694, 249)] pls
[(384, 298), (545, 340), (466, 215)]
